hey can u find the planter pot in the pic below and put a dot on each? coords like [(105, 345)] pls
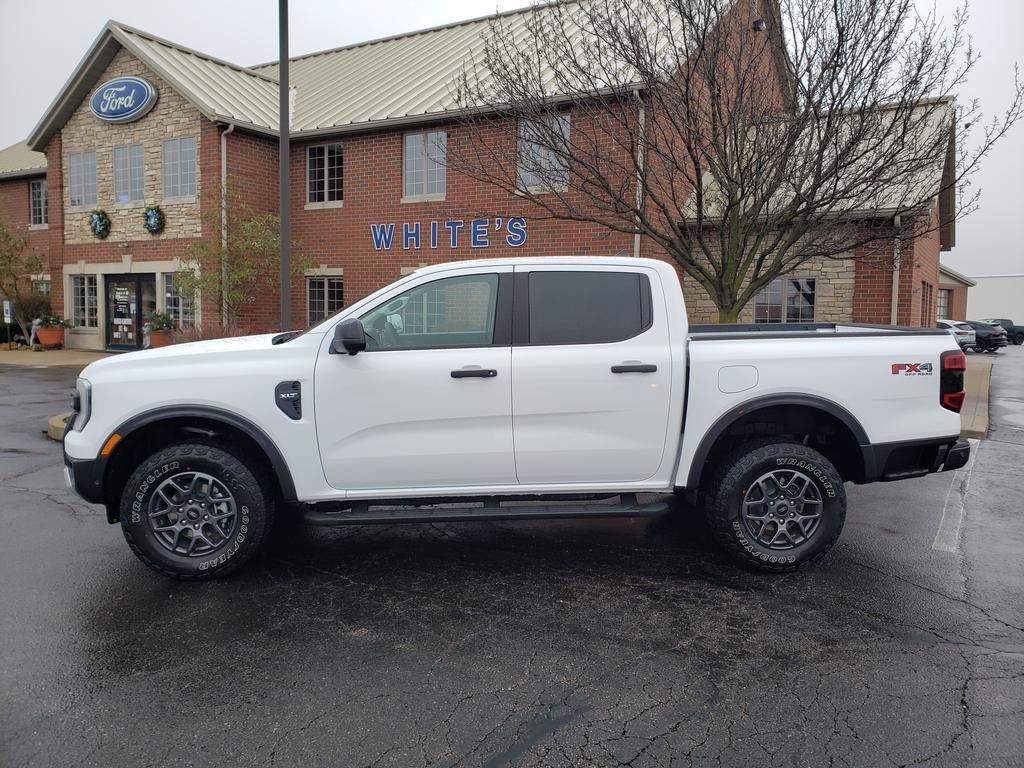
[(159, 338), (50, 336)]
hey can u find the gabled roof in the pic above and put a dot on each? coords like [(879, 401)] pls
[(943, 269), (19, 161), (400, 79), (221, 91)]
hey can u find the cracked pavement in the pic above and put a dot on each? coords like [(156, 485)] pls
[(591, 643)]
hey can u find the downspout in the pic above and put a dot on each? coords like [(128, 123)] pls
[(224, 223), (894, 304), (641, 118)]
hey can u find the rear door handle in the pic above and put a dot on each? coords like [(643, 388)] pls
[(635, 368), (474, 373)]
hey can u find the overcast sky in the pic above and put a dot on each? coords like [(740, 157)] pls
[(41, 42)]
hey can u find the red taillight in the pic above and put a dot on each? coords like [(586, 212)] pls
[(954, 361), (951, 380)]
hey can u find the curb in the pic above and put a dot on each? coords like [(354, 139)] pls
[(56, 425)]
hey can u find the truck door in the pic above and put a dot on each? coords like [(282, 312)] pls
[(592, 373), (429, 403)]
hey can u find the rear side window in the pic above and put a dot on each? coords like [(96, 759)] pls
[(588, 307)]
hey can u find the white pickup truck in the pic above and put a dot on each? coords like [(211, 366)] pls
[(529, 387)]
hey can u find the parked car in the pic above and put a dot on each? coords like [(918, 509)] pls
[(990, 338), (961, 331), (1014, 333), (519, 389)]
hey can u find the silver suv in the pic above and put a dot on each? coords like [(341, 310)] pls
[(962, 332)]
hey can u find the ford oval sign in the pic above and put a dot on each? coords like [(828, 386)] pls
[(123, 99)]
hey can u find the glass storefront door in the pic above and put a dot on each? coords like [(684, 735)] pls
[(130, 301)]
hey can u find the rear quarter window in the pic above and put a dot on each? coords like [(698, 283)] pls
[(588, 307)]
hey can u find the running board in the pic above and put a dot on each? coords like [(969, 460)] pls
[(360, 513)]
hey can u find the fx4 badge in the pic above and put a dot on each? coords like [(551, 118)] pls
[(912, 369)]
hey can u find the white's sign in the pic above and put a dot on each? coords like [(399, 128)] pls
[(7, 312)]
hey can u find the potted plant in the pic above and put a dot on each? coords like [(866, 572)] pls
[(160, 328), (51, 332)]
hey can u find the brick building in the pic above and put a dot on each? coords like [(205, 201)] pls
[(145, 122)]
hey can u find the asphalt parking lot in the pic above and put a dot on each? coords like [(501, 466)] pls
[(596, 643)]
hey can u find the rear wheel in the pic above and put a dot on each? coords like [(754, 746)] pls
[(195, 510), (776, 506), (1018, 338)]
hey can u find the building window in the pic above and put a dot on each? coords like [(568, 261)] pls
[(180, 167), (543, 154), (82, 178), (927, 305), (786, 300), (424, 163), (324, 173), (39, 203), (181, 310), (943, 307), (41, 286), (83, 301), (324, 297), (128, 174)]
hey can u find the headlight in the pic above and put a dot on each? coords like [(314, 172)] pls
[(83, 401)]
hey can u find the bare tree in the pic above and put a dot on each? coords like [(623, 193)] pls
[(744, 137)]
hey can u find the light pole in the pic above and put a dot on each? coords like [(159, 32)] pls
[(285, 170)]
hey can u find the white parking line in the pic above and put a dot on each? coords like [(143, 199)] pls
[(947, 538)]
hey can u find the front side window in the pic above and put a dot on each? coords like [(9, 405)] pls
[(83, 301), (181, 309), (39, 203), (82, 178), (424, 163), (785, 300), (324, 173), (588, 307), (543, 153), (180, 167), (323, 297), (128, 174), (451, 312)]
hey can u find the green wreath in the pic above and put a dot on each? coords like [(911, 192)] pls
[(153, 220), (99, 223)]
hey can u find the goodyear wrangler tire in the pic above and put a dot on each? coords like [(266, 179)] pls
[(195, 511), (776, 506)]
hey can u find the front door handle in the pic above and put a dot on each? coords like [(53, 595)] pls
[(634, 368), (474, 373)]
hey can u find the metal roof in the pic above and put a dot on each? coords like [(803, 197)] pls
[(221, 91), (399, 79), (956, 275), (395, 78), (18, 160)]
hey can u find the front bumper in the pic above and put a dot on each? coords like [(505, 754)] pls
[(84, 477), (914, 458)]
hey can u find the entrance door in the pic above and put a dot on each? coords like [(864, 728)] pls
[(131, 300)]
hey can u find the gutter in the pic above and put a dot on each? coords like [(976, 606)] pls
[(224, 222), (641, 122), (894, 302)]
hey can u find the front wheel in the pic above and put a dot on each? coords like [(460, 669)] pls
[(195, 510), (776, 506)]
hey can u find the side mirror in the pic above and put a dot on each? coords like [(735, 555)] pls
[(349, 337)]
